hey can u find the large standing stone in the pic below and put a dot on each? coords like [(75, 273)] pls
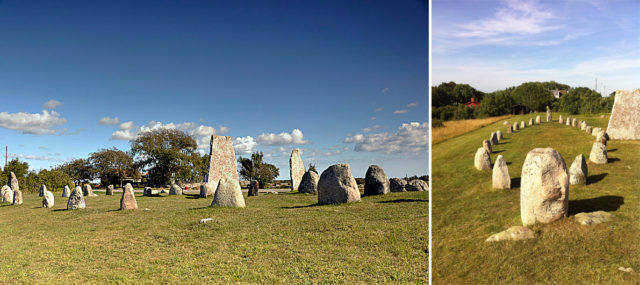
[(544, 187), (515, 126), (87, 191), (109, 190), (128, 200), (509, 129), (175, 190), (560, 120), (501, 178), (47, 201), (76, 199), (549, 117), (578, 171), (7, 194), (486, 144), (254, 186), (568, 121), (43, 189), (482, 160), (499, 136), (397, 185), (337, 185), (624, 123), (417, 185), (296, 169), (574, 122), (222, 160), (538, 120), (206, 190), (228, 194), (494, 138), (595, 131), (17, 197), (13, 181), (598, 153), (522, 125), (66, 191), (309, 183)]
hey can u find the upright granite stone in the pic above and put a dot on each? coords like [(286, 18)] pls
[(595, 131), (549, 117), (500, 177), (544, 187), (17, 197), (222, 160), (109, 190), (128, 200), (499, 135), (48, 201), (228, 194), (486, 144), (568, 121), (482, 160), (66, 191), (309, 183), (598, 153), (43, 188), (254, 186), (583, 125), (175, 190), (13, 181), (509, 129), (515, 126), (296, 169), (588, 129), (578, 171), (87, 191), (560, 120), (76, 199), (574, 122), (376, 181), (417, 185), (337, 185), (601, 137), (7, 194), (522, 125), (538, 120), (206, 190), (397, 185), (494, 138), (624, 123)]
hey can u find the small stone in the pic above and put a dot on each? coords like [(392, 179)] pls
[(146, 209), (509, 130), (598, 153), (493, 139), (109, 190), (66, 191), (626, 269), (47, 200), (500, 175), (522, 125), (205, 190), (593, 218), (376, 181), (595, 131), (206, 220), (128, 200), (228, 194), (499, 135), (516, 126), (17, 197), (417, 185), (397, 185), (514, 233), (482, 160), (549, 117), (568, 121), (486, 144), (505, 123), (588, 129), (578, 171), (538, 120), (309, 183), (560, 120), (76, 199), (87, 191), (148, 191), (574, 122), (337, 185), (175, 190), (601, 137), (7, 194)]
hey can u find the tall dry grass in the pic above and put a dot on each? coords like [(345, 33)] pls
[(453, 129)]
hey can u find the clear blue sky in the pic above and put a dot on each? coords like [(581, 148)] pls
[(345, 81), (497, 44)]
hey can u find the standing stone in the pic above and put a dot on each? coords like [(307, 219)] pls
[(624, 123), (417, 185), (486, 145), (17, 197), (499, 135), (515, 126), (595, 131), (87, 191), (544, 187), (549, 117), (66, 191), (253, 188), (148, 191), (175, 190), (522, 125), (583, 125), (222, 160), (376, 181), (397, 185), (109, 190), (494, 138), (601, 137), (574, 122), (337, 185), (47, 200), (506, 123), (568, 121), (76, 199), (538, 120), (530, 122), (206, 190), (128, 200), (309, 183), (501, 178), (598, 153), (509, 130), (228, 194), (296, 169), (560, 120), (13, 181), (588, 129), (482, 160), (578, 171), (7, 194), (43, 189)]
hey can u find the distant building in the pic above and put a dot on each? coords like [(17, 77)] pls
[(473, 103), (559, 93)]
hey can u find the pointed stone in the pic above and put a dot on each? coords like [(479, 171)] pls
[(175, 190), (598, 153), (482, 160), (516, 126), (76, 199), (486, 144), (578, 171), (222, 160), (624, 123), (13, 181), (48, 201), (493, 139), (87, 191), (501, 178), (66, 191), (43, 189), (296, 169), (128, 200), (228, 194)]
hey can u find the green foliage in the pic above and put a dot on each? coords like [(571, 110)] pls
[(164, 152), (463, 112), (453, 94), (444, 113), (582, 100), (495, 104), (79, 170), (112, 165), (54, 179), (255, 168), (199, 167), (533, 95), (436, 123)]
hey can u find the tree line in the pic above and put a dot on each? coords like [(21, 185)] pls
[(449, 100)]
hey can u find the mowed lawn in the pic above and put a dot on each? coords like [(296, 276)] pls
[(466, 210), (283, 238)]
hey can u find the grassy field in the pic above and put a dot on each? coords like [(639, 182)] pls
[(282, 238), (453, 129), (466, 210)]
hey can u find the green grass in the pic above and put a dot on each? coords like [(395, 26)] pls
[(282, 238), (466, 210)]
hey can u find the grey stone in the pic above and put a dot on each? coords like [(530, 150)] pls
[(516, 126), (593, 218), (17, 197), (13, 181), (148, 191), (560, 120), (574, 122), (549, 116), (128, 200), (376, 181), (7, 194), (588, 129), (500, 175), (499, 135), (43, 188), (222, 160), (578, 171), (494, 138), (417, 185), (538, 119), (522, 125), (175, 190), (513, 233), (48, 201), (296, 169), (206, 190), (482, 159), (598, 153), (509, 130), (486, 144), (337, 185), (309, 183), (228, 194), (397, 185), (624, 123), (76, 199), (87, 191), (254, 187), (595, 131), (66, 191), (568, 121), (109, 190)]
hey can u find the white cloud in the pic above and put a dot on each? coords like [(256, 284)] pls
[(295, 137), (379, 109), (108, 121), (385, 90), (244, 145), (126, 125), (374, 128), (400, 111), (223, 130), (373, 118), (410, 138), (410, 105), (201, 133), (34, 157), (29, 123), (51, 104)]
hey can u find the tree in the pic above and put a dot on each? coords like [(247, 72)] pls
[(255, 169), (113, 165), (163, 152), (19, 168), (54, 179), (312, 167), (79, 170), (533, 95)]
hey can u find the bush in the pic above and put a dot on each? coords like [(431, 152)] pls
[(436, 123), (444, 113)]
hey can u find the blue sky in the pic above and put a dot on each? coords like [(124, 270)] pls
[(345, 81), (492, 45)]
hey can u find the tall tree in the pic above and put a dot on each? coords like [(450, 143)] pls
[(255, 168), (112, 165), (80, 170), (163, 152)]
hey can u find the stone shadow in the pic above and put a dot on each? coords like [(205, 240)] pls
[(515, 182), (298, 207), (404, 200), (607, 203), (497, 151), (612, 150), (612, 159), (596, 178), (191, 196)]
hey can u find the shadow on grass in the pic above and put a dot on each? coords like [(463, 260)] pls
[(58, 210), (607, 203), (515, 182), (497, 151), (299, 207), (596, 178), (612, 150), (404, 200), (192, 196), (200, 208), (612, 159)]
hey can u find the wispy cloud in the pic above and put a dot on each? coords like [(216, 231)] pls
[(411, 105), (379, 109), (385, 90), (403, 111), (295, 137), (52, 104), (32, 123), (410, 138), (108, 121)]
